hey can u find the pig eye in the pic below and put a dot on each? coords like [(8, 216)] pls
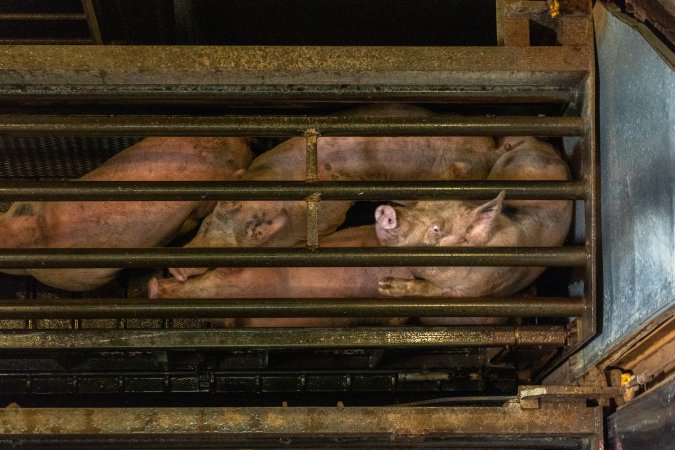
[(435, 228)]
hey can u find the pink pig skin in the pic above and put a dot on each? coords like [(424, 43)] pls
[(124, 224)]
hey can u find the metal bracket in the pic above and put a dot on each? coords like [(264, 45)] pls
[(571, 25), (531, 397)]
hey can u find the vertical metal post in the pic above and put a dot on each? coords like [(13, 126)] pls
[(592, 177), (311, 175)]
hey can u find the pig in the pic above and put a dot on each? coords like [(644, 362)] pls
[(496, 223), (283, 223), (118, 224), (293, 282)]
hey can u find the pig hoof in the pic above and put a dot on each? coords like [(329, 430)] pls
[(179, 273), (153, 288), (391, 287)]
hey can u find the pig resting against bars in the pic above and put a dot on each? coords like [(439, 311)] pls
[(496, 223), (283, 223), (119, 224), (292, 282), (528, 223)]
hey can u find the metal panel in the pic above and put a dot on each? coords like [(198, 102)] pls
[(646, 422), (637, 157)]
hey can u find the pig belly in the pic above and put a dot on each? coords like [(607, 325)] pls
[(479, 281), (283, 282)]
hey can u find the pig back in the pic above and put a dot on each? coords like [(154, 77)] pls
[(113, 224), (534, 159)]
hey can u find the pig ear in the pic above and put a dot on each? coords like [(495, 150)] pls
[(484, 217), (263, 231)]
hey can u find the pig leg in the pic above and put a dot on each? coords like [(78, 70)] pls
[(401, 287)]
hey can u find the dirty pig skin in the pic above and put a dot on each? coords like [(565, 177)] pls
[(90, 224), (496, 223), (283, 223)]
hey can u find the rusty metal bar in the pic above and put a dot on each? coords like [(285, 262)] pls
[(158, 125), (291, 307), (399, 426), (311, 139), (42, 16), (256, 338), (92, 21), (233, 94), (290, 190), (313, 220), (43, 42), (312, 177), (295, 257), (552, 426), (293, 65)]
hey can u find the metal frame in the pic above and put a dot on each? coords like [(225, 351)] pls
[(277, 74), (272, 77)]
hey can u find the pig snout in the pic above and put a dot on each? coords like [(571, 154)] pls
[(385, 216)]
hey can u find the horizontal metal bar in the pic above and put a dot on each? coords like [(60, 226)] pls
[(236, 94), (42, 16), (33, 42), (291, 307), (394, 426), (288, 190), (295, 65), (294, 257), (158, 125), (251, 338)]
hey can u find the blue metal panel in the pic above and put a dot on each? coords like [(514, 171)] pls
[(637, 160)]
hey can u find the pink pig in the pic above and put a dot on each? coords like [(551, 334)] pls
[(121, 224), (292, 282), (283, 223), (496, 223)]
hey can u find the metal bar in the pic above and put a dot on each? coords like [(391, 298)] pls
[(287, 65), (312, 177), (291, 307), (159, 125), (311, 139), (256, 338), (399, 427), (40, 42), (42, 16), (92, 21), (294, 257), (509, 425), (289, 190), (236, 94)]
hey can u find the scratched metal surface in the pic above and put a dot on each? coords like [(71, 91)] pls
[(637, 159)]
